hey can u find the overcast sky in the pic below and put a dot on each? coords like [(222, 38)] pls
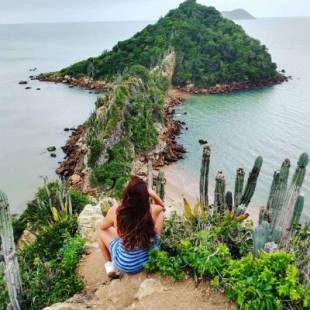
[(27, 11)]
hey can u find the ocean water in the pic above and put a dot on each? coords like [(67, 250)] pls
[(31, 120), (272, 122)]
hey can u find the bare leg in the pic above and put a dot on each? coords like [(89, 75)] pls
[(104, 239), (159, 223)]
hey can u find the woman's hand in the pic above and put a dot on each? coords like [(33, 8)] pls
[(156, 198)]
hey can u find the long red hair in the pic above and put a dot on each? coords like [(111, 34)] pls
[(134, 220)]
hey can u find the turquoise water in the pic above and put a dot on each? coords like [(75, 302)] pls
[(31, 120), (273, 122)]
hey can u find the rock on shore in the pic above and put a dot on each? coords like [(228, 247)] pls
[(233, 87), (83, 82)]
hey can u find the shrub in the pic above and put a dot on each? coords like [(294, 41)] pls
[(79, 201), (113, 174), (161, 262), (48, 265), (39, 211), (299, 246), (267, 281)]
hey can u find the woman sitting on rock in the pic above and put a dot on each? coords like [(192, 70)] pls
[(130, 230)]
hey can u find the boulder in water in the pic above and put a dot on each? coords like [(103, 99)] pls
[(201, 141), (51, 148)]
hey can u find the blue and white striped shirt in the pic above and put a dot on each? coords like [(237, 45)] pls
[(130, 261)]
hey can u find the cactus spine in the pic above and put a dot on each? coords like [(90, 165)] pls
[(204, 175), (160, 185), (219, 192), (239, 182), (284, 219), (12, 273), (251, 182)]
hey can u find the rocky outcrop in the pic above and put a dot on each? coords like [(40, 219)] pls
[(233, 87), (168, 150), (83, 82), (88, 221), (91, 216), (75, 151), (26, 239)]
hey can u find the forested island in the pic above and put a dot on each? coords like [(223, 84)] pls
[(209, 49)]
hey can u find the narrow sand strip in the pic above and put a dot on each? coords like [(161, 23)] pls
[(179, 184)]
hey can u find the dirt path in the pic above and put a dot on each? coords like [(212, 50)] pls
[(139, 291)]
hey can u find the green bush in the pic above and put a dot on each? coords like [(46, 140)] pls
[(113, 174), (268, 281), (48, 265), (299, 246), (162, 263), (79, 200), (209, 246), (38, 212)]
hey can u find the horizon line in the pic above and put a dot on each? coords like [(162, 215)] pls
[(132, 20)]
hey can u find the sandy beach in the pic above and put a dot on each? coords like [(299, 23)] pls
[(180, 185)]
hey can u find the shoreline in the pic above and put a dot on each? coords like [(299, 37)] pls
[(167, 150)]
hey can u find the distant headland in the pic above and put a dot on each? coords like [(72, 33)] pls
[(238, 14)]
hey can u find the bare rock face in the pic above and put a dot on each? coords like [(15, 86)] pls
[(88, 221), (75, 179), (149, 287), (90, 218), (168, 65), (26, 238), (65, 306)]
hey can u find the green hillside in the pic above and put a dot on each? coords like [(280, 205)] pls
[(210, 49)]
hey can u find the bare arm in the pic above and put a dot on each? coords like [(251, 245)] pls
[(156, 198), (108, 221)]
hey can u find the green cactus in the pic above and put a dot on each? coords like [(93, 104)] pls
[(299, 205), (219, 192), (276, 234), (204, 175), (239, 182), (251, 182), (262, 215), (229, 200), (284, 219), (279, 192), (259, 239), (160, 185), (267, 230), (273, 188)]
